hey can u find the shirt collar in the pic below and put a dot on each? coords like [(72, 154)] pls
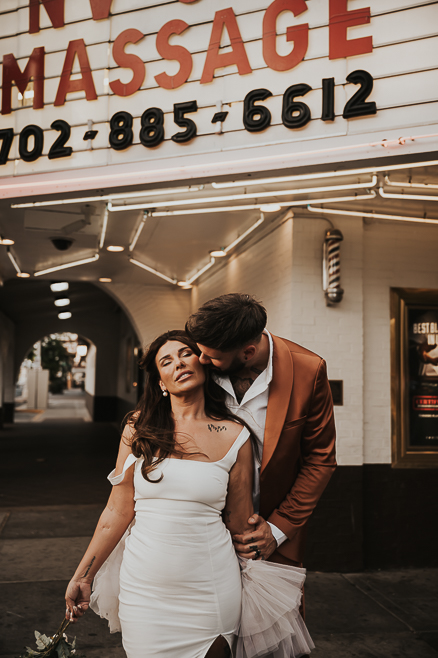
[(260, 384)]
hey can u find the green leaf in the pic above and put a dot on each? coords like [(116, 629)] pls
[(42, 640), (63, 649), (31, 652)]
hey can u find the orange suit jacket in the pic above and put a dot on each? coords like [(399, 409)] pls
[(299, 444)]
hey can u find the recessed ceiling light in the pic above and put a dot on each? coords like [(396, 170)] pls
[(104, 279), (65, 315), (270, 207), (6, 241), (218, 253), (62, 302), (23, 275), (113, 247), (59, 287)]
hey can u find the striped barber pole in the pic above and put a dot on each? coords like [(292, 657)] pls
[(332, 267)]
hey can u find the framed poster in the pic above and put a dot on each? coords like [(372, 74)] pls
[(414, 377)]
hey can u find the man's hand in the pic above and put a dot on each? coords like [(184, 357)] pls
[(258, 543)]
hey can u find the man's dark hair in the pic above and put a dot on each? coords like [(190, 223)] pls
[(228, 322)]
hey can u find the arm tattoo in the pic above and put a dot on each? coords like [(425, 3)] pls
[(217, 428), (89, 567)]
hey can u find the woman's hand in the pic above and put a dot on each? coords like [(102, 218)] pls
[(257, 543), (77, 599)]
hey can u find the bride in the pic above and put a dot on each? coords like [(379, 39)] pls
[(182, 488)]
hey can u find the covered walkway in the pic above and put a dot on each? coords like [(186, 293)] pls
[(54, 487)]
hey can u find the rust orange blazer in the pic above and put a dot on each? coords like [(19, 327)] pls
[(299, 444)]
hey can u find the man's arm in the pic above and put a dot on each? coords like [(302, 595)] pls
[(317, 465), (317, 460)]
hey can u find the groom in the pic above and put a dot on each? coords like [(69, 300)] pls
[(281, 390)]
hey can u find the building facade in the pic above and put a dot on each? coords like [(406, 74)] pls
[(173, 129)]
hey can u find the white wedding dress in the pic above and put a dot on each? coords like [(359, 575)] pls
[(174, 584)]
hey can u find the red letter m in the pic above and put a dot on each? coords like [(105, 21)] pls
[(54, 9), (12, 73)]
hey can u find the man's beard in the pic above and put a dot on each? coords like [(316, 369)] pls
[(235, 366)]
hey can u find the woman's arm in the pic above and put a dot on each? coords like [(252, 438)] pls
[(238, 505), (110, 528)]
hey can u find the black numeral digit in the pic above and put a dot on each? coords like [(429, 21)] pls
[(121, 135), (328, 99), (356, 106), (152, 127), (7, 137), (295, 114), (59, 148), (26, 154), (179, 110), (256, 117)]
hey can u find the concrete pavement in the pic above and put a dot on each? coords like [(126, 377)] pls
[(53, 489)]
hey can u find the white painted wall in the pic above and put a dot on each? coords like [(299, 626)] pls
[(396, 255), (284, 270), (152, 309), (90, 370), (335, 333), (7, 346), (263, 270)]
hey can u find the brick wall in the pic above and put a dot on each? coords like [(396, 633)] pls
[(395, 255), (152, 309), (264, 270)]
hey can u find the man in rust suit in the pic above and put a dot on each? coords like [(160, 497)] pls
[(281, 390)]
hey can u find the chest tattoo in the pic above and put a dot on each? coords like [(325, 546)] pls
[(216, 428), (241, 385)]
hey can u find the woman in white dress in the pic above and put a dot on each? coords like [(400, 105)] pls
[(184, 476)]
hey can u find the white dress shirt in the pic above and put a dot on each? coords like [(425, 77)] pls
[(253, 409)]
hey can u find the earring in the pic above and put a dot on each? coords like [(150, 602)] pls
[(165, 393)]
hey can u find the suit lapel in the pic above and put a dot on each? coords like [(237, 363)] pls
[(280, 390)]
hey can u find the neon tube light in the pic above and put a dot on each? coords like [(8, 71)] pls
[(14, 262), (409, 197), (108, 197), (104, 227), (354, 213), (426, 186), (152, 271), (201, 271), (67, 265), (243, 197), (318, 176), (285, 204), (137, 233), (200, 211), (244, 235)]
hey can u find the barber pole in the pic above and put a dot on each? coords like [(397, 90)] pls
[(332, 267)]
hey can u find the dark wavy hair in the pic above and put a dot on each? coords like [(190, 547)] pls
[(152, 422), (228, 322)]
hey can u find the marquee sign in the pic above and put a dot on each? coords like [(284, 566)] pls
[(108, 83)]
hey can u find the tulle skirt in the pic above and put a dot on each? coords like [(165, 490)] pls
[(270, 624)]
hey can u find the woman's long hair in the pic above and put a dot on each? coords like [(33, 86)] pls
[(152, 421)]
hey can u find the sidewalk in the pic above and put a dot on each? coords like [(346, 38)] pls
[(69, 405), (388, 614)]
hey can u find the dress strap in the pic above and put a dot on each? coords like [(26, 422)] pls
[(231, 456), (117, 479)]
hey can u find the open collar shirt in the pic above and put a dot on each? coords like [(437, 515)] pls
[(252, 409)]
